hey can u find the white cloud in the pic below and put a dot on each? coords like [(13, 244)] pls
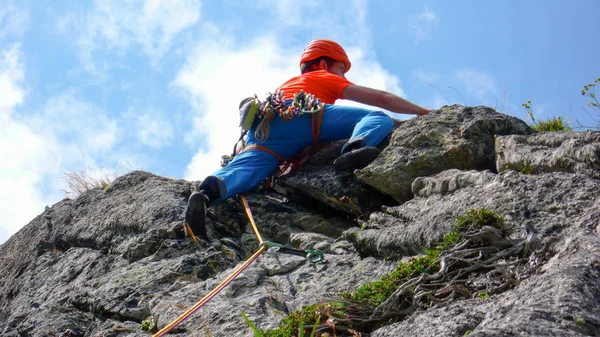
[(289, 9), (427, 21), (83, 128), (76, 135), (150, 127), (26, 156), (428, 16), (120, 25), (478, 84), (301, 21), (215, 78), (369, 73), (11, 73), (69, 134)]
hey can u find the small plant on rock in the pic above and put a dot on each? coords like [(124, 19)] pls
[(475, 220), (554, 124), (589, 90), (85, 180), (483, 295), (149, 325)]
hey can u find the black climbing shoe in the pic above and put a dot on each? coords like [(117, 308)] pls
[(356, 159), (195, 214)]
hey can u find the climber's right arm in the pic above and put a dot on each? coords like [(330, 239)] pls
[(382, 99)]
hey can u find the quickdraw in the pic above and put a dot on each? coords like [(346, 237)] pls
[(314, 256), (303, 103)]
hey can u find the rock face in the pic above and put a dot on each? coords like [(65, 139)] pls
[(573, 152), (452, 137), (101, 264), (340, 190)]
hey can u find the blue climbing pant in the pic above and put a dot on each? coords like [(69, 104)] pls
[(288, 138)]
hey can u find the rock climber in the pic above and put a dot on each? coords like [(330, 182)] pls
[(323, 66)]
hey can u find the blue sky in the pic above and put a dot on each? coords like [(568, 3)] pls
[(113, 86)]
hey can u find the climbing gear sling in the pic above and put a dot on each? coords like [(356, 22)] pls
[(252, 108)]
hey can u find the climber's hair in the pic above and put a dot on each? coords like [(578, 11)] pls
[(312, 65)]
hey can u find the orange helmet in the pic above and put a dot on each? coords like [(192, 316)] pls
[(319, 48)]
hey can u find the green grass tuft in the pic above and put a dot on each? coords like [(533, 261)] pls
[(290, 326), (554, 124), (85, 180)]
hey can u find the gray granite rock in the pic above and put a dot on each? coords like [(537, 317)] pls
[(573, 152), (562, 300), (110, 260), (341, 191), (545, 204), (451, 137)]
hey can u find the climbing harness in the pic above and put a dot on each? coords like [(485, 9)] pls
[(313, 256), (252, 107), (264, 149)]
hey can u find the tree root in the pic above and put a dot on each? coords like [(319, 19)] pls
[(483, 263)]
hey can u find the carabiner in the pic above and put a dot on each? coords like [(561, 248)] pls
[(315, 256)]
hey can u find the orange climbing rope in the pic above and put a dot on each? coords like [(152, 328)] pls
[(210, 295), (189, 230), (249, 213), (225, 282)]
